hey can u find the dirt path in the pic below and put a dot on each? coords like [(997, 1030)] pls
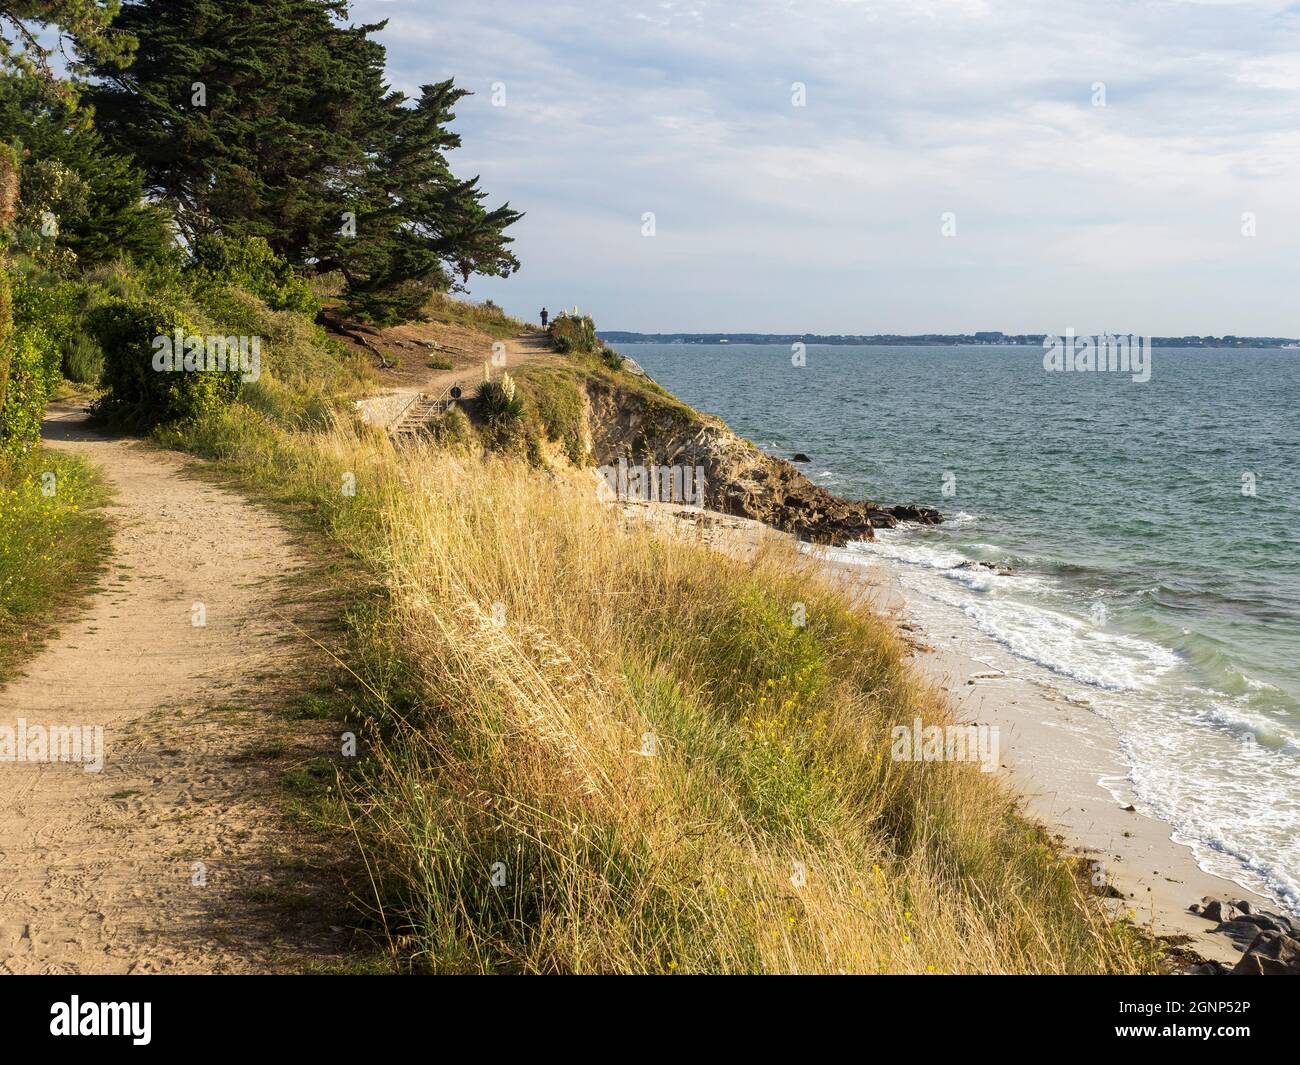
[(174, 857), (468, 371), (413, 377)]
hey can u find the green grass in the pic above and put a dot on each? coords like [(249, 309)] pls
[(555, 395), (555, 398), (484, 317), (54, 538)]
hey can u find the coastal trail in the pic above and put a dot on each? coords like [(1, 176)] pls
[(175, 856), (410, 387)]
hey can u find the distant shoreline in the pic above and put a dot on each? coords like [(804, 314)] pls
[(615, 336)]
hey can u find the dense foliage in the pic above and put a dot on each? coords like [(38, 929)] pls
[(569, 332), (26, 42), (82, 204), (253, 266), (263, 135), (139, 394), (25, 371), (272, 119)]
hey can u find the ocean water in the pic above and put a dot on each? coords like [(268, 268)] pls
[(1144, 573)]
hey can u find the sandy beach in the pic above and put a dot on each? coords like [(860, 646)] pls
[(1062, 758), (1066, 762)]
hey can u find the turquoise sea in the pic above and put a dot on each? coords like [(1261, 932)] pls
[(1152, 531)]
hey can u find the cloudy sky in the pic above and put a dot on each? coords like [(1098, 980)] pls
[(830, 217)]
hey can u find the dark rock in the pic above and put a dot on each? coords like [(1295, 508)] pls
[(1270, 953), (1221, 910), (1269, 922), (1239, 931), (1209, 968), (912, 512), (992, 567), (799, 456)]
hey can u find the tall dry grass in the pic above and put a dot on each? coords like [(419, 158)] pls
[(593, 749)]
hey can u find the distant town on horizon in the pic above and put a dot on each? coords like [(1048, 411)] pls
[(615, 336)]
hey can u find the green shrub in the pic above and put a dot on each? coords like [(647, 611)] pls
[(498, 401), (6, 349), (53, 534), (569, 333), (83, 359), (28, 387), (139, 395), (118, 281), (502, 411), (304, 371), (127, 282), (8, 208), (50, 310), (452, 428), (250, 263)]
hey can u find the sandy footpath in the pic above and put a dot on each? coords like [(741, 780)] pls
[(1062, 758), (173, 856)]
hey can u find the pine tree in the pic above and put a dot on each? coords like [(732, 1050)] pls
[(271, 118), (248, 116), (93, 196), (418, 227), (87, 22)]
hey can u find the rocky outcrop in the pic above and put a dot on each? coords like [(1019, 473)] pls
[(1270, 942), (643, 426), (1270, 953), (1221, 910)]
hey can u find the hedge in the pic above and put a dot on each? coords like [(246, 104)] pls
[(138, 395)]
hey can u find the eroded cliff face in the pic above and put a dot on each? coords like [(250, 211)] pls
[(634, 424)]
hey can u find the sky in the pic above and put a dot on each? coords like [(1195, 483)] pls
[(956, 165)]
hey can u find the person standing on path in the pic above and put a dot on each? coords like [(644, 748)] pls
[(544, 317)]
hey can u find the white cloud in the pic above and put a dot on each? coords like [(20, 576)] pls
[(826, 217)]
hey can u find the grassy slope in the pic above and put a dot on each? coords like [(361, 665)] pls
[(486, 318), (51, 546), (524, 645), (555, 398)]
